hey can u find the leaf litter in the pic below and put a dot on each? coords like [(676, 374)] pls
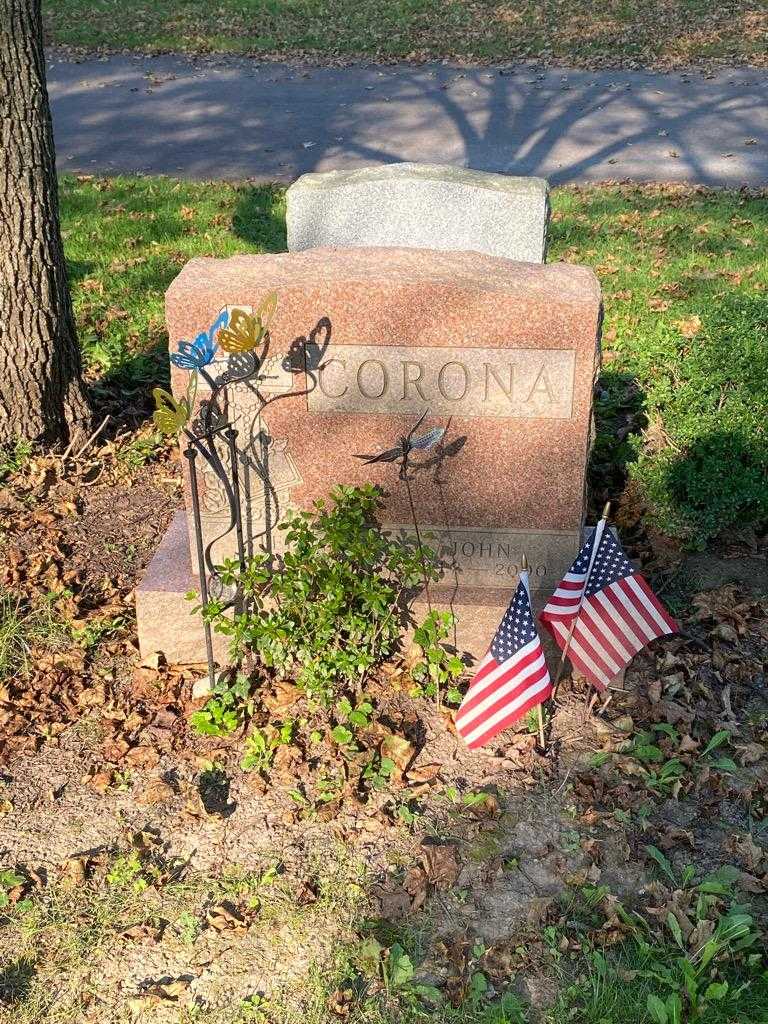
[(100, 756)]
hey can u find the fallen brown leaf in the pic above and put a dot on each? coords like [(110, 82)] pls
[(441, 864)]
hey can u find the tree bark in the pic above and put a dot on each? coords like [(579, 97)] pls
[(42, 397)]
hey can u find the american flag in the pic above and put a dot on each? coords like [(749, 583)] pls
[(511, 679), (610, 608)]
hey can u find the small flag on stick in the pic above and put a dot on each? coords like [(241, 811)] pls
[(511, 679), (603, 612)]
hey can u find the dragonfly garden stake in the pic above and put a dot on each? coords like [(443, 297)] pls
[(400, 454)]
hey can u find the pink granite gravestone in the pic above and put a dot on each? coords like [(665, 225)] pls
[(502, 354)]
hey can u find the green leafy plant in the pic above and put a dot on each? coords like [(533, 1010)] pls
[(188, 927), (342, 736), (406, 810), (127, 871), (719, 762), (719, 932), (225, 709), (140, 449), (358, 716), (8, 880), (532, 719), (437, 671), (469, 799), (14, 457), (378, 772), (94, 632), (331, 607), (256, 1010), (663, 775), (329, 785), (261, 744), (395, 967), (690, 974)]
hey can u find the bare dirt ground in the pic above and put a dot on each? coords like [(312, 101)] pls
[(105, 784)]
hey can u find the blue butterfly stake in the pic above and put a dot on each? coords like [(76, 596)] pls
[(194, 355)]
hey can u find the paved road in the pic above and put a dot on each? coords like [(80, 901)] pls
[(237, 118)]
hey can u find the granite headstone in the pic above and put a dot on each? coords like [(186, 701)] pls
[(502, 354), (426, 206)]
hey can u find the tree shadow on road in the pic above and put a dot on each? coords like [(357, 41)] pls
[(276, 123)]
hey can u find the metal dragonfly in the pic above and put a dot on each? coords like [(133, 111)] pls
[(406, 445)]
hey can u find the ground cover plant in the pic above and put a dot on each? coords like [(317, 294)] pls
[(577, 33), (348, 859)]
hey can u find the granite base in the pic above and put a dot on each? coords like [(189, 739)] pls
[(166, 622), (164, 616)]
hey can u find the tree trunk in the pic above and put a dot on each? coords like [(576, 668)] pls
[(42, 397)]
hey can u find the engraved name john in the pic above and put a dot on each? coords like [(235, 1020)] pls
[(463, 382), (488, 558)]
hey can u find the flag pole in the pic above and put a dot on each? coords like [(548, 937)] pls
[(525, 568), (599, 530)]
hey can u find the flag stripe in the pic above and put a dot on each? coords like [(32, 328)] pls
[(628, 620), (609, 614), (644, 627), (563, 602), (671, 624), (614, 611), (602, 640), (482, 708), (611, 638), (511, 678), (586, 665), (518, 662), (511, 712), (579, 656), (486, 665), (649, 600), (506, 702), (588, 652), (649, 615)]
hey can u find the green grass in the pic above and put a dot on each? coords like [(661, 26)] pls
[(21, 629), (61, 948), (683, 404), (127, 238), (613, 988), (684, 417), (577, 32)]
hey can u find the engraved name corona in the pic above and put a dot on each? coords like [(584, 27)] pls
[(464, 382)]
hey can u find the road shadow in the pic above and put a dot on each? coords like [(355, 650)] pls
[(274, 122)]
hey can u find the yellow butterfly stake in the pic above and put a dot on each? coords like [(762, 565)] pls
[(246, 330), (170, 415)]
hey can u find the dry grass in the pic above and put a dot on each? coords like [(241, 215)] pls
[(580, 33)]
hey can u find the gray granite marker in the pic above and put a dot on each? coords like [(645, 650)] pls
[(422, 206)]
